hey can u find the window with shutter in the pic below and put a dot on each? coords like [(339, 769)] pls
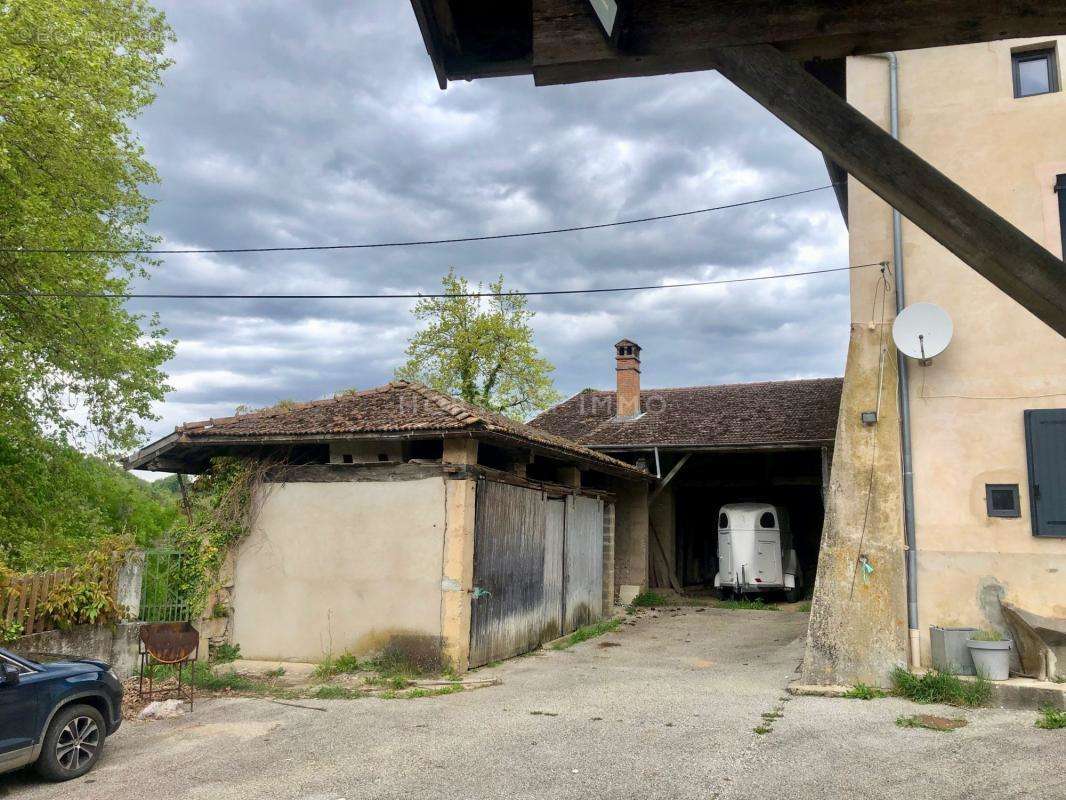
[(1060, 188), (1045, 435)]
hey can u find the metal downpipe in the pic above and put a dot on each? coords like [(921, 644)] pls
[(914, 632)]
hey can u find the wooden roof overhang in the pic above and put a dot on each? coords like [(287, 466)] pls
[(192, 455), (762, 47)]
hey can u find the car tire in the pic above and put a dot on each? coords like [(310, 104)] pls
[(72, 744)]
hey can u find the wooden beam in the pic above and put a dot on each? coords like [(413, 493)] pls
[(665, 36), (968, 228), (669, 477)]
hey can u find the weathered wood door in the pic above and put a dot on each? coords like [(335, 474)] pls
[(583, 562), (538, 569), (508, 604)]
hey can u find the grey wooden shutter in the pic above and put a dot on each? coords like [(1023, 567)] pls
[(1045, 436), (1060, 188)]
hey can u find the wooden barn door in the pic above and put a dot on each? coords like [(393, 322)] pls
[(583, 562), (508, 604)]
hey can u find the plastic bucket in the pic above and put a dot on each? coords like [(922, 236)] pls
[(991, 659)]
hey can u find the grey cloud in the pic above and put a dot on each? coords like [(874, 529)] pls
[(321, 123)]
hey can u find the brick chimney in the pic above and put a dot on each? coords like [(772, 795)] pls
[(627, 374)]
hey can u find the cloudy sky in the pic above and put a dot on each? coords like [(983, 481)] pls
[(321, 123)]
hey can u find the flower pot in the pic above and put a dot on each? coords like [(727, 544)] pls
[(991, 659)]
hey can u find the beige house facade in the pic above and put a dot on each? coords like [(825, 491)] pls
[(992, 118)]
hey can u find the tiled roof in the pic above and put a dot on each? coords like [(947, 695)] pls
[(396, 407), (740, 414)]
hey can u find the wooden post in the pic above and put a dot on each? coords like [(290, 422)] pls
[(968, 228), (185, 497)]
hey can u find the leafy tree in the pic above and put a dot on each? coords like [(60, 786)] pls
[(73, 74), (480, 349)]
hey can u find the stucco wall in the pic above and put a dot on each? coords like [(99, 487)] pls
[(959, 112), (344, 566)]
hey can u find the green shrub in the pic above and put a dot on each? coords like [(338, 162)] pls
[(1051, 718), (344, 663), (940, 687), (648, 600)]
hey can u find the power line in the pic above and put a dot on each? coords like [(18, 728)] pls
[(419, 295), (372, 245)]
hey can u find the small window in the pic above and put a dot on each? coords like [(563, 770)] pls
[(1035, 72), (1002, 500), (723, 521), (348, 458), (767, 521)]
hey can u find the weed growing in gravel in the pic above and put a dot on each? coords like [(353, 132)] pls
[(804, 607), (743, 604), (225, 653), (1051, 718), (860, 691), (762, 730), (587, 632), (941, 687), (275, 673)]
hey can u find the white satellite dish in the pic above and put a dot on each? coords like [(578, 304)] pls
[(922, 331)]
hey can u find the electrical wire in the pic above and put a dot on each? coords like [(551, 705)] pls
[(421, 296), (417, 243)]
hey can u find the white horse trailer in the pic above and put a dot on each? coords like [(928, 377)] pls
[(755, 551)]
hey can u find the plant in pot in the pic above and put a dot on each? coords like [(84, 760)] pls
[(990, 650)]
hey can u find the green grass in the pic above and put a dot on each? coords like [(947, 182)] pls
[(743, 604), (941, 687), (587, 632), (1051, 718), (330, 692), (805, 607), (988, 635), (860, 691), (762, 730), (648, 600)]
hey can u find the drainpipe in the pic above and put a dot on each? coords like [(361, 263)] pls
[(904, 394)]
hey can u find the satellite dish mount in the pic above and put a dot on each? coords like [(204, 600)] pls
[(922, 331)]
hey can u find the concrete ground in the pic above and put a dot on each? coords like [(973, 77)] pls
[(667, 713)]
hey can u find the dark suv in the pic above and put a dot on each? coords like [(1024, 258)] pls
[(56, 715)]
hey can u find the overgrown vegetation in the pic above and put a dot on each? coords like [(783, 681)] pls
[(57, 505), (989, 635), (941, 687), (1051, 718), (746, 604), (344, 663), (222, 508), (74, 371), (586, 632), (860, 691)]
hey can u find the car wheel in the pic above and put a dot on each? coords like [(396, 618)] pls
[(72, 744)]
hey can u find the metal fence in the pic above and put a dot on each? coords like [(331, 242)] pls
[(163, 596)]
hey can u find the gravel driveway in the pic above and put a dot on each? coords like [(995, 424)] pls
[(667, 713)]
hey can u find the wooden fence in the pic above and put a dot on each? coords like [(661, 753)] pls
[(25, 596)]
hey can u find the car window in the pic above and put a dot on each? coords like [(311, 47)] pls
[(23, 670)]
